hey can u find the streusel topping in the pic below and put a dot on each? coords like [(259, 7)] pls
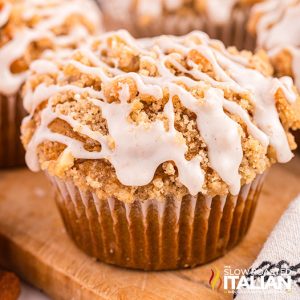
[(30, 27), (140, 119)]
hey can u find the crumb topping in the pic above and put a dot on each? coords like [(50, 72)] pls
[(143, 119), (29, 29)]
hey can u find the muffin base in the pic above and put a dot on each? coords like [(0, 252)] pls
[(11, 114), (154, 235)]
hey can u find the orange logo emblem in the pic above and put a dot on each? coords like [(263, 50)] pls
[(215, 278)]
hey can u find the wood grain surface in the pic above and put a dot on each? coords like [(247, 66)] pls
[(34, 244)]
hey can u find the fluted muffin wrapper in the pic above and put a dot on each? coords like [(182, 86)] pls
[(11, 115), (232, 33), (156, 235), (297, 139)]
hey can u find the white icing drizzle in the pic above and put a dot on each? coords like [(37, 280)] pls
[(151, 144), (5, 13), (278, 29), (40, 67), (53, 13), (149, 9), (266, 115), (172, 4), (224, 144), (219, 11)]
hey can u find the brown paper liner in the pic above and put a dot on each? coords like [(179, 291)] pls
[(233, 33), (297, 139), (11, 115), (155, 235)]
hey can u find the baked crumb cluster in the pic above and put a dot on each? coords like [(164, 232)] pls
[(29, 28), (276, 25), (87, 105)]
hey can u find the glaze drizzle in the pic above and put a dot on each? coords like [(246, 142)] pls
[(136, 161), (278, 29), (53, 13)]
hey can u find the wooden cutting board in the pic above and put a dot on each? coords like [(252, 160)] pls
[(34, 244)]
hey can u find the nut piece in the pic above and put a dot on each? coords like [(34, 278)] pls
[(9, 286), (64, 162)]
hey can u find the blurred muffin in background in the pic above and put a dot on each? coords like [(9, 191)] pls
[(276, 26), (224, 20), (29, 29), (157, 147)]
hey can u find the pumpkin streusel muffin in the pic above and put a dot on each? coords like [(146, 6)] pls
[(225, 20), (276, 25), (27, 29), (277, 28), (157, 147)]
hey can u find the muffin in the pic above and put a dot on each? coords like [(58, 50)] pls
[(158, 147), (270, 22), (275, 23), (28, 29), (225, 20)]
